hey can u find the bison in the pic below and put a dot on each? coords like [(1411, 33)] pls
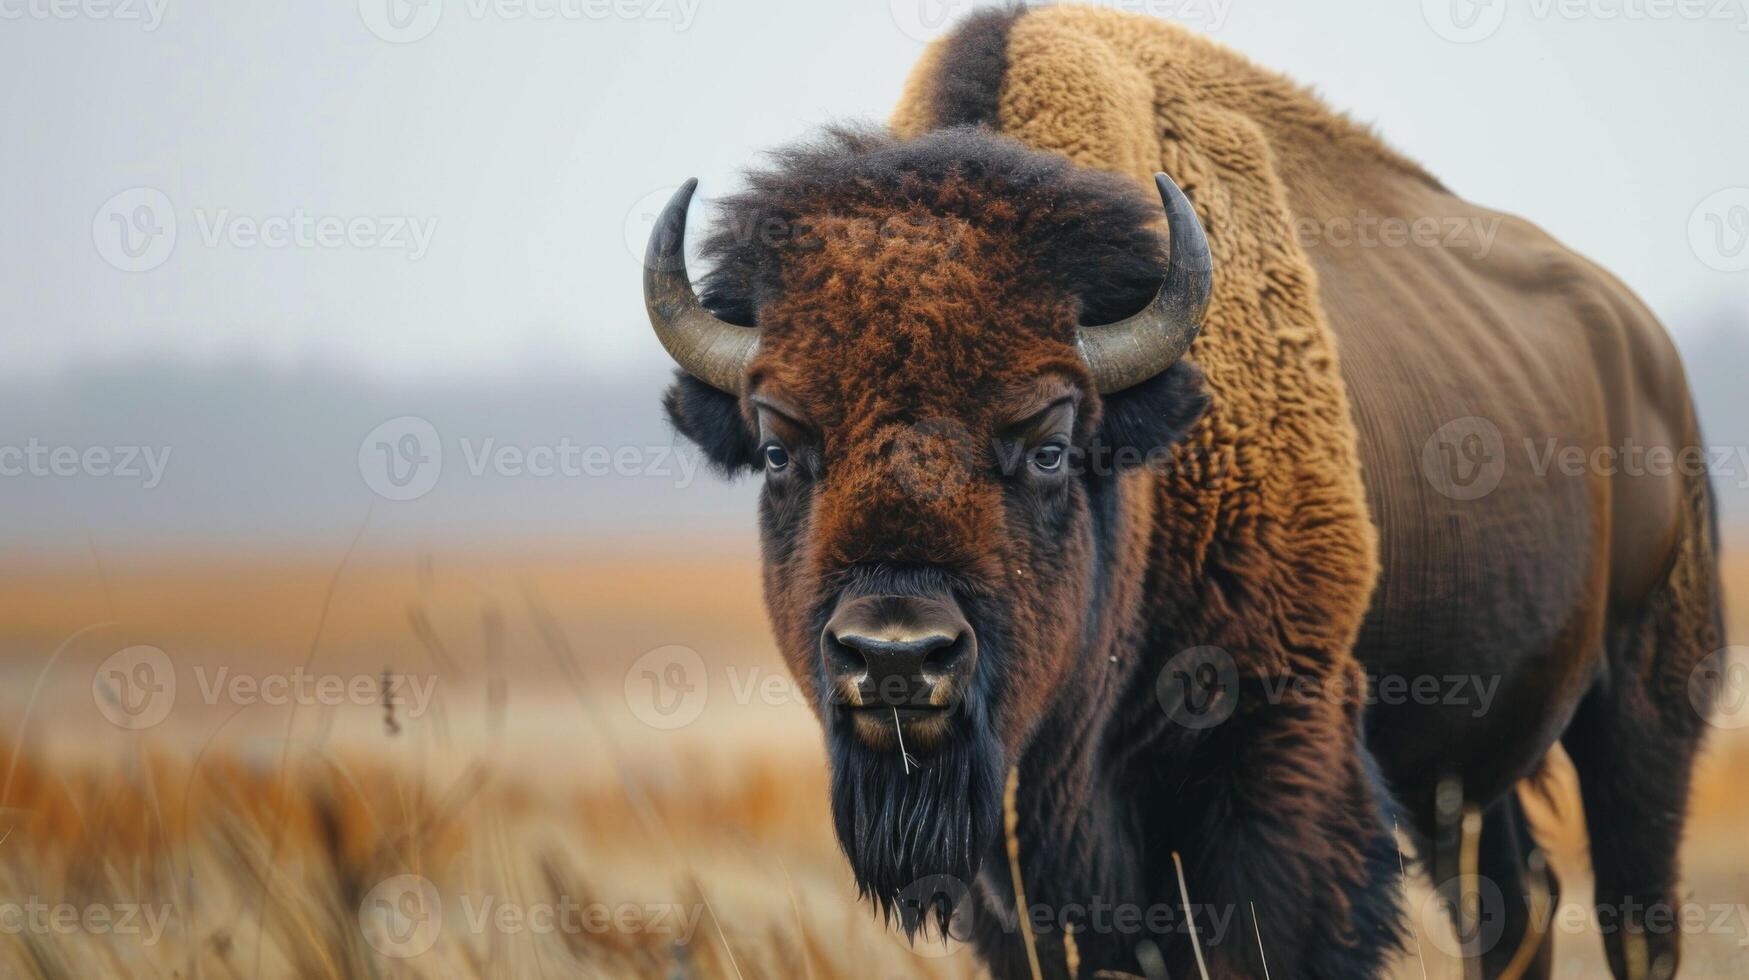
[(1184, 550)]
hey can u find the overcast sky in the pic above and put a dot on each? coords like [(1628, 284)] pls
[(464, 183)]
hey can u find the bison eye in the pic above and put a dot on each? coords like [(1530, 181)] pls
[(1048, 458), (776, 457)]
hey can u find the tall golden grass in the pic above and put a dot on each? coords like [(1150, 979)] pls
[(280, 841)]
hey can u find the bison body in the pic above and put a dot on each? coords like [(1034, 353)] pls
[(1386, 533)]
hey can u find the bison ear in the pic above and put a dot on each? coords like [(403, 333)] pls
[(1152, 416), (712, 419)]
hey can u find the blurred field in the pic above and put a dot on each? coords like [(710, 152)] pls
[(541, 778)]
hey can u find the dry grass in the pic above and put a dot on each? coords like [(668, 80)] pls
[(272, 841)]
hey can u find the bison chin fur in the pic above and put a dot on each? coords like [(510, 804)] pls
[(904, 831)]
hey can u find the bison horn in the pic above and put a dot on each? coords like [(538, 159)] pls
[(1132, 350), (714, 351)]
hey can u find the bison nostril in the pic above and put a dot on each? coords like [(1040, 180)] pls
[(933, 650), (902, 671)]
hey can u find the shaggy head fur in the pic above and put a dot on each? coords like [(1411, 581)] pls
[(918, 303)]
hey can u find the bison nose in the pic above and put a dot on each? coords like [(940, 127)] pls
[(898, 652)]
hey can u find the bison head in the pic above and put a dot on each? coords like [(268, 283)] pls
[(933, 351)]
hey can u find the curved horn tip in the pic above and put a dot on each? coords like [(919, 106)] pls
[(1128, 352), (711, 350)]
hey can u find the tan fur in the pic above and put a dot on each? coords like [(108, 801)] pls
[(1269, 484)]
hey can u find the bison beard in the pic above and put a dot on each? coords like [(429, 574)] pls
[(900, 828)]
